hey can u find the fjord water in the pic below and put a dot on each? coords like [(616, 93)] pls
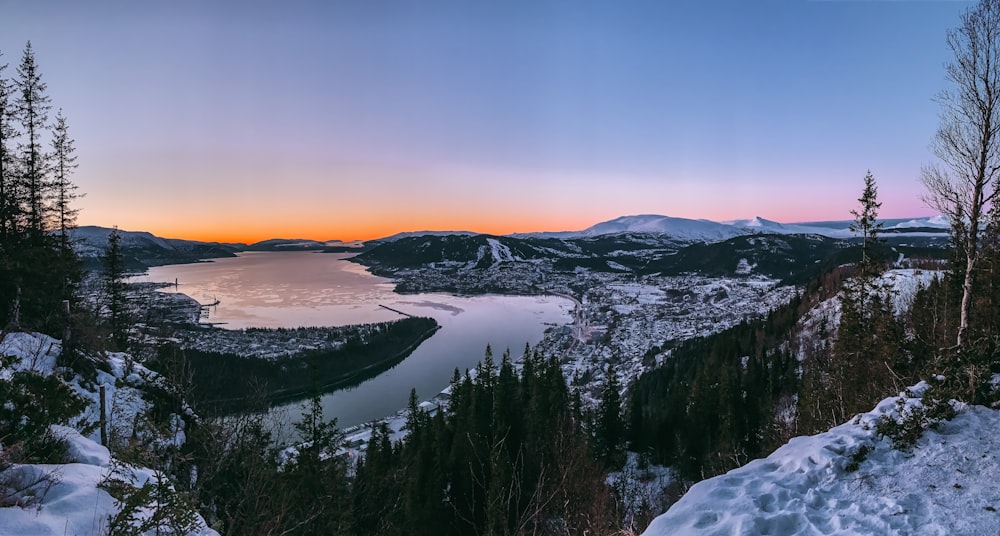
[(291, 289)]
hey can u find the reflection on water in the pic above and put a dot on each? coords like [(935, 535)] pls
[(290, 289), (437, 306), (287, 289)]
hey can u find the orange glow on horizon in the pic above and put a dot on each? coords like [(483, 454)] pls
[(256, 231), (249, 232), (356, 209)]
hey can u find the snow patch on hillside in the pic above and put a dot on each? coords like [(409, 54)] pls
[(946, 485), (69, 500), (500, 251), (905, 285)]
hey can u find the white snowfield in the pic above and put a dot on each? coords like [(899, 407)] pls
[(74, 504), (948, 485)]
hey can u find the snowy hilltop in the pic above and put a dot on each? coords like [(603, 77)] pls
[(852, 480)]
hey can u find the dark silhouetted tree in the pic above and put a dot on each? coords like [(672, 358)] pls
[(9, 178), (116, 304), (64, 192), (866, 219), (32, 105), (609, 432)]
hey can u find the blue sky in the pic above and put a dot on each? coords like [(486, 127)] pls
[(240, 120)]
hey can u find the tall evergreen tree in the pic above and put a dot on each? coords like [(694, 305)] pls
[(36, 275), (115, 296), (609, 435), (866, 219), (318, 476), (9, 204), (64, 192), (63, 213), (868, 337), (32, 105)]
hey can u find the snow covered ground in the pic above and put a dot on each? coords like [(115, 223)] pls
[(946, 485), (64, 499)]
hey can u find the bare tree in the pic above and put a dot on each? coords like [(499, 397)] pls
[(967, 140)]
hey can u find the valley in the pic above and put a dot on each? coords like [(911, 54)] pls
[(638, 291)]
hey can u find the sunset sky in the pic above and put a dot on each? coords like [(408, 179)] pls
[(240, 121)]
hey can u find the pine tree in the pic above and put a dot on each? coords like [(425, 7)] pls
[(36, 275), (9, 204), (32, 106), (115, 296), (868, 337), (866, 220), (63, 190), (64, 193), (609, 435), (318, 476)]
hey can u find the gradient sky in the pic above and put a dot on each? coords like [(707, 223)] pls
[(235, 120)]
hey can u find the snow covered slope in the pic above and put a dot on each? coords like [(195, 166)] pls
[(676, 228), (68, 498), (947, 485)]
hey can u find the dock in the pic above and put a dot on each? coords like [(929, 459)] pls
[(395, 310)]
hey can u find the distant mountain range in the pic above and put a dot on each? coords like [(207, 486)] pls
[(786, 257), (684, 229), (143, 249)]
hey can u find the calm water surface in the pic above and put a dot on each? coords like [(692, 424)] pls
[(290, 289)]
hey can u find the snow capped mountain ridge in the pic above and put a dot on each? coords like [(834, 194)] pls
[(680, 228), (939, 222), (702, 230)]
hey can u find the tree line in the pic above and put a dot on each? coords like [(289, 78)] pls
[(221, 382), (510, 452), (38, 269)]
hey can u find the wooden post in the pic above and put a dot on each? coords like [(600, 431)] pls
[(15, 314), (104, 419), (66, 318)]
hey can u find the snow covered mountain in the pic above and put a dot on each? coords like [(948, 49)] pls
[(677, 228), (681, 229), (701, 230)]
